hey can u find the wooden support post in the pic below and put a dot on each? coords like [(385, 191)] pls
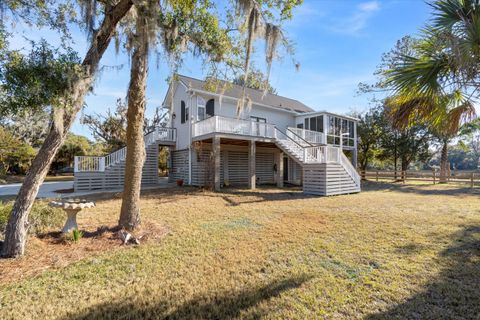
[(433, 170), (471, 180), (251, 165), (216, 161), (279, 173), (376, 176)]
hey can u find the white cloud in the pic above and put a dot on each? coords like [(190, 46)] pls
[(356, 23), (370, 6)]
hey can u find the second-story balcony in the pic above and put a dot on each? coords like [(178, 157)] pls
[(233, 126)]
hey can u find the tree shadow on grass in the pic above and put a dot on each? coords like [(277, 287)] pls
[(455, 293), (226, 306)]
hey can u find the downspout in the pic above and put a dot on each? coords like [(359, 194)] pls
[(190, 122)]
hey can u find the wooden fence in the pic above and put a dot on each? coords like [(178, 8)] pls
[(470, 178)]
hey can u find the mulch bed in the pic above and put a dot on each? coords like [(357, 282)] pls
[(54, 250)]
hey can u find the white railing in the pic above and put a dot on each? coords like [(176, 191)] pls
[(310, 136), (290, 144), (350, 169), (322, 154), (218, 124), (94, 163), (292, 135), (88, 163)]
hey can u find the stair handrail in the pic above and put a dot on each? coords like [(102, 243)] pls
[(308, 143), (121, 154), (289, 139), (100, 163), (350, 168)]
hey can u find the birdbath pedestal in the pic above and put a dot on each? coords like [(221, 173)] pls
[(71, 208)]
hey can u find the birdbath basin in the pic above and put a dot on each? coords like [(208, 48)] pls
[(71, 208)]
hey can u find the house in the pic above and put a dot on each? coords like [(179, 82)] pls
[(274, 140)]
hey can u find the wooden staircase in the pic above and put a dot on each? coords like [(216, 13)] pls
[(107, 172), (326, 169)]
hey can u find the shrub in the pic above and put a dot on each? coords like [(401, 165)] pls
[(76, 235), (42, 217)]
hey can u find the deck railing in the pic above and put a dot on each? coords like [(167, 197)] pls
[(310, 136), (219, 124), (99, 164), (322, 154)]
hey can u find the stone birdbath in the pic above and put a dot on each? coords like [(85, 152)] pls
[(71, 207)]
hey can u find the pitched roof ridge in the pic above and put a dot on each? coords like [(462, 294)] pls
[(254, 89)]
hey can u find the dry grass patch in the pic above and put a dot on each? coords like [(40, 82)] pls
[(392, 251)]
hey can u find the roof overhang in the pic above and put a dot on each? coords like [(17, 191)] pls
[(327, 113)]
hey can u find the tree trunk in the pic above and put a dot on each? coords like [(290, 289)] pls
[(444, 162), (17, 226), (130, 212)]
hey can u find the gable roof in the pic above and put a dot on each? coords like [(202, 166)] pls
[(257, 96)]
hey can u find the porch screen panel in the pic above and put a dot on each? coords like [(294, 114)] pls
[(237, 167), (264, 168)]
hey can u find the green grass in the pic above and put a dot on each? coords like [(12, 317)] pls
[(392, 251)]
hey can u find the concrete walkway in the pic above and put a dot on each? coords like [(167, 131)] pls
[(47, 189)]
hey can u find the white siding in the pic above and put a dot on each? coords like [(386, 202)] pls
[(183, 129)]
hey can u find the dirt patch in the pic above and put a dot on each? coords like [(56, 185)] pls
[(55, 250)]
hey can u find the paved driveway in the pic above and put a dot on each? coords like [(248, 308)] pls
[(46, 189)]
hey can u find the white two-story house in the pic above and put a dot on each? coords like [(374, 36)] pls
[(274, 140)]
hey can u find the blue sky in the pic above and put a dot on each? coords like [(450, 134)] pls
[(338, 44)]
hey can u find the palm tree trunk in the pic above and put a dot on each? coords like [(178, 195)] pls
[(130, 212), (17, 226), (444, 162)]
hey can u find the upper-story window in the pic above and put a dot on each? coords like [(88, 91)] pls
[(339, 128), (183, 112), (200, 108), (210, 108), (205, 109)]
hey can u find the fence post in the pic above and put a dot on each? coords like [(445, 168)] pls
[(471, 180), (433, 170), (75, 164), (101, 166), (376, 176)]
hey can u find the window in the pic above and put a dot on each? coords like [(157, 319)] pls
[(258, 119), (187, 115), (300, 125), (210, 108), (314, 123), (339, 128), (200, 108), (182, 111)]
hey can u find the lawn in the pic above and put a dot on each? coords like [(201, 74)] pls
[(392, 251)]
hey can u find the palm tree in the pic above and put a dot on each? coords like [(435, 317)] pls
[(438, 85)]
